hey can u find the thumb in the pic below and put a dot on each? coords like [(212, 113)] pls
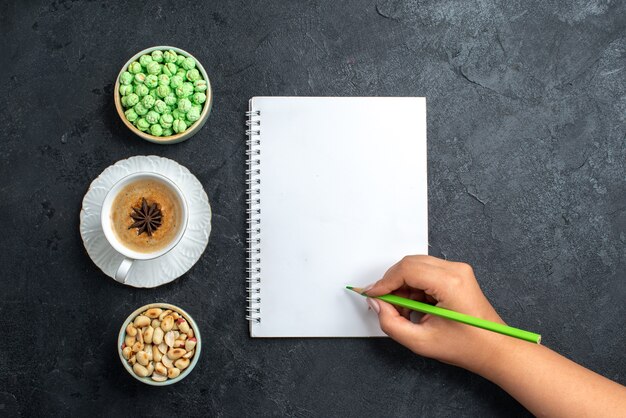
[(395, 325)]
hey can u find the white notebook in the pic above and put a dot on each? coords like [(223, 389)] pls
[(337, 193)]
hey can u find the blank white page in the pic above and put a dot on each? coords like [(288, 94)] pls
[(343, 197)]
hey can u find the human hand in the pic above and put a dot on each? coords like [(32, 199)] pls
[(447, 284)]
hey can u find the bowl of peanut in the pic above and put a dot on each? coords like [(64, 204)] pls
[(159, 344)]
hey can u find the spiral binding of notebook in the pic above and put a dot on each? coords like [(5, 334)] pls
[(253, 200)]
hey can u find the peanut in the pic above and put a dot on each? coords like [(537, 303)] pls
[(153, 313), (167, 362), (141, 321), (137, 347), (183, 326), (156, 354), (167, 323), (131, 330), (176, 353), (169, 339), (158, 378), (142, 358), (164, 314), (173, 372), (140, 370), (147, 335), (129, 341), (148, 349), (190, 344), (157, 336), (126, 352), (150, 368), (182, 363), (160, 369)]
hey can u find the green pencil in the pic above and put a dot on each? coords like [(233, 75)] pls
[(455, 316)]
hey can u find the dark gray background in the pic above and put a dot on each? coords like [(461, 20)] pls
[(527, 182)]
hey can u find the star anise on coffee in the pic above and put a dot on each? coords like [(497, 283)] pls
[(147, 218)]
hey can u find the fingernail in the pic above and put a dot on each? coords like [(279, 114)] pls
[(373, 303), (364, 292)]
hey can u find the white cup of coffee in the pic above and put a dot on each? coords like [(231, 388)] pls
[(144, 216)]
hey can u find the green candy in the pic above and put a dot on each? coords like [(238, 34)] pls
[(153, 117), (166, 120), (157, 56), (184, 105), (193, 114), (179, 126), (154, 94), (164, 80), (159, 106), (200, 85), (193, 74), (144, 60), (142, 124), (140, 109), (134, 67), (156, 130), (176, 81), (154, 68), (198, 98), (124, 100), (151, 81), (170, 99), (169, 69), (148, 101), (170, 56), (168, 132), (126, 89), (168, 111), (184, 90), (189, 63), (177, 114), (163, 91), (131, 100), (131, 115), (179, 60), (126, 78), (140, 78), (181, 72), (141, 90)]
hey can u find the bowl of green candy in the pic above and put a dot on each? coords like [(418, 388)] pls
[(163, 94)]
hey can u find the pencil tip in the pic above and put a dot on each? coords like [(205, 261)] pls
[(349, 287)]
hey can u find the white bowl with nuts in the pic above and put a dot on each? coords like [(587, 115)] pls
[(159, 344)]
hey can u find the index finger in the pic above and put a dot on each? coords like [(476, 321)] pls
[(420, 272)]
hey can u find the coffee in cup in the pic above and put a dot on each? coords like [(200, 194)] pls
[(144, 216)]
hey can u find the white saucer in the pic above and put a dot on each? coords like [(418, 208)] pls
[(168, 267)]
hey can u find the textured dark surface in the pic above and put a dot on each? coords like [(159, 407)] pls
[(526, 116)]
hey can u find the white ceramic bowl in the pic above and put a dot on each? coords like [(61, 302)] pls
[(193, 129), (194, 359)]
